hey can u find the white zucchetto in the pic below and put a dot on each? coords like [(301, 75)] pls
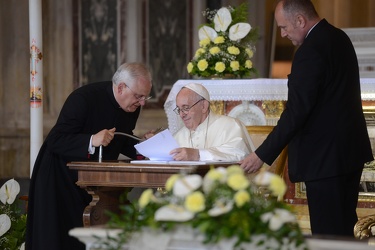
[(199, 89)]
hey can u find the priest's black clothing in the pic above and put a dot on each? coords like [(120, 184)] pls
[(56, 203)]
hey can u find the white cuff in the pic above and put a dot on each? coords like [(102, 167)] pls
[(91, 149), (205, 155)]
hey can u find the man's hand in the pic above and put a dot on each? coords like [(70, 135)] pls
[(151, 133), (103, 137), (185, 154), (251, 163)]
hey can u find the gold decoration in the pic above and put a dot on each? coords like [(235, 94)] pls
[(218, 107), (273, 108)]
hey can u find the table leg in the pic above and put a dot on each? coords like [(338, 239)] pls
[(103, 199)]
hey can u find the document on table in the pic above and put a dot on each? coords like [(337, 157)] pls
[(156, 162), (157, 148)]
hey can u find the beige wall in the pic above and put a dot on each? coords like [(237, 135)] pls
[(14, 77)]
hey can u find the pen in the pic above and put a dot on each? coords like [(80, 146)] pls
[(158, 130)]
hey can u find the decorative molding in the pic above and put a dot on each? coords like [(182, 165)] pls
[(110, 32), (363, 40)]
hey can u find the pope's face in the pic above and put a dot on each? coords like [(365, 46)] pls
[(192, 115)]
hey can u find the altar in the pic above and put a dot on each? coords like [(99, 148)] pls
[(258, 100), (263, 101)]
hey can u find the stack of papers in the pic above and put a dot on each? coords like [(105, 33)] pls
[(157, 148), (180, 162)]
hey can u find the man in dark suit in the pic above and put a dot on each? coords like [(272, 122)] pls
[(323, 122), (89, 118)]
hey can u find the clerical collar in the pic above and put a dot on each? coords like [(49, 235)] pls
[(201, 127)]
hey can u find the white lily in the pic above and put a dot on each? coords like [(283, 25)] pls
[(278, 218), (207, 32), (273, 181), (5, 224), (239, 31), (9, 191), (222, 19), (173, 213), (220, 208), (263, 178), (186, 185)]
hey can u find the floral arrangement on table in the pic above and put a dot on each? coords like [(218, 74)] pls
[(12, 220), (223, 206), (226, 44)]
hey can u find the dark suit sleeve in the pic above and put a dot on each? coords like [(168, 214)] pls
[(304, 85)]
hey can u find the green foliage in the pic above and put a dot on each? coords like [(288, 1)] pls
[(15, 236), (221, 189), (240, 13)]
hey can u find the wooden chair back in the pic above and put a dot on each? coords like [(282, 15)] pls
[(258, 134)]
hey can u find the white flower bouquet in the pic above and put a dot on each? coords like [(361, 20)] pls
[(12, 220), (226, 44), (224, 205)]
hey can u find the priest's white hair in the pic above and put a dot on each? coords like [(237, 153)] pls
[(129, 72)]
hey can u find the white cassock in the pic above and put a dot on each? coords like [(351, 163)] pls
[(218, 138)]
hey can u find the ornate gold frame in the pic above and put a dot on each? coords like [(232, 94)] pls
[(299, 190), (362, 197), (369, 112)]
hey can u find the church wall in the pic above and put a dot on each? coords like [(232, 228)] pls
[(15, 81)]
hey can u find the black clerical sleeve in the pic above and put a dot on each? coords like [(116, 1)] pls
[(87, 111)]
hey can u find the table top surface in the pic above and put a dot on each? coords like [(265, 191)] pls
[(125, 174), (124, 166)]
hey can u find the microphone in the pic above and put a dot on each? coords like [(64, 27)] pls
[(118, 133)]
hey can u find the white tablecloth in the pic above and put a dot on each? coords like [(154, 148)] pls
[(261, 89)]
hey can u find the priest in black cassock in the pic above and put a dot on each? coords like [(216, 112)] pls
[(88, 119)]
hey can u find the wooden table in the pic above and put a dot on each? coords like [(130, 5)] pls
[(107, 181)]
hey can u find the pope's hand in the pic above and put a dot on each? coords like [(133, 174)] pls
[(103, 137), (185, 154)]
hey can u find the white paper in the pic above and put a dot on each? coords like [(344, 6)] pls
[(157, 148), (161, 162)]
